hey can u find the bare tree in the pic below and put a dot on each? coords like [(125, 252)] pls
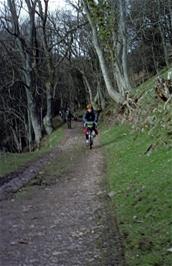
[(120, 46), (26, 48), (48, 56), (115, 95)]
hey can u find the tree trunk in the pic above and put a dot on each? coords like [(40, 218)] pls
[(27, 58), (17, 140), (48, 118), (29, 130), (123, 31), (50, 68), (106, 75), (121, 50), (164, 45), (100, 98), (27, 76), (87, 86), (170, 11), (34, 117), (163, 36), (117, 97)]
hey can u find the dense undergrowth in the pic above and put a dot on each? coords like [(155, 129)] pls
[(141, 182)]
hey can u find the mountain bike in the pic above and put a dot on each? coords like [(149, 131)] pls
[(90, 133)]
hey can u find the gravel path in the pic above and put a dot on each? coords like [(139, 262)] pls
[(64, 220)]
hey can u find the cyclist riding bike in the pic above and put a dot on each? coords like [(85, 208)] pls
[(90, 116)]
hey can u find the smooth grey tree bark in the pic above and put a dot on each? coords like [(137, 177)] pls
[(100, 98), (49, 84), (116, 96), (87, 85), (120, 47)]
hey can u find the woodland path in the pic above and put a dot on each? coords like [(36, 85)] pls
[(62, 216)]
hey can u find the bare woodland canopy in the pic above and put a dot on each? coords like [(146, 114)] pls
[(101, 51)]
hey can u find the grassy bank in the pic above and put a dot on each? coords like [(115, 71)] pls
[(10, 162), (142, 187)]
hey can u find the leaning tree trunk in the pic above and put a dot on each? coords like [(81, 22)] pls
[(100, 97), (106, 75), (17, 140), (87, 85), (117, 97)]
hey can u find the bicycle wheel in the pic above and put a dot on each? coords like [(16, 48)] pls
[(91, 141)]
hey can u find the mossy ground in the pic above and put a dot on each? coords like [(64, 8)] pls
[(142, 199)]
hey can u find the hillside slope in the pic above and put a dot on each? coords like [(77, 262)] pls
[(139, 179)]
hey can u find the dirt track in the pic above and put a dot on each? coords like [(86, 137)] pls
[(61, 216)]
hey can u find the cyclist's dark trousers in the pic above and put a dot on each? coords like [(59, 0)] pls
[(86, 131)]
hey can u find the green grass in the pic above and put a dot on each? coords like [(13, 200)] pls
[(10, 162), (143, 195)]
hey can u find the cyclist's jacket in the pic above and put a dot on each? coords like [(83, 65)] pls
[(90, 116)]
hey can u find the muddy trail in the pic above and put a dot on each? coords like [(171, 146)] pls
[(62, 217)]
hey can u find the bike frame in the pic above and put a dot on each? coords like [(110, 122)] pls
[(90, 133)]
